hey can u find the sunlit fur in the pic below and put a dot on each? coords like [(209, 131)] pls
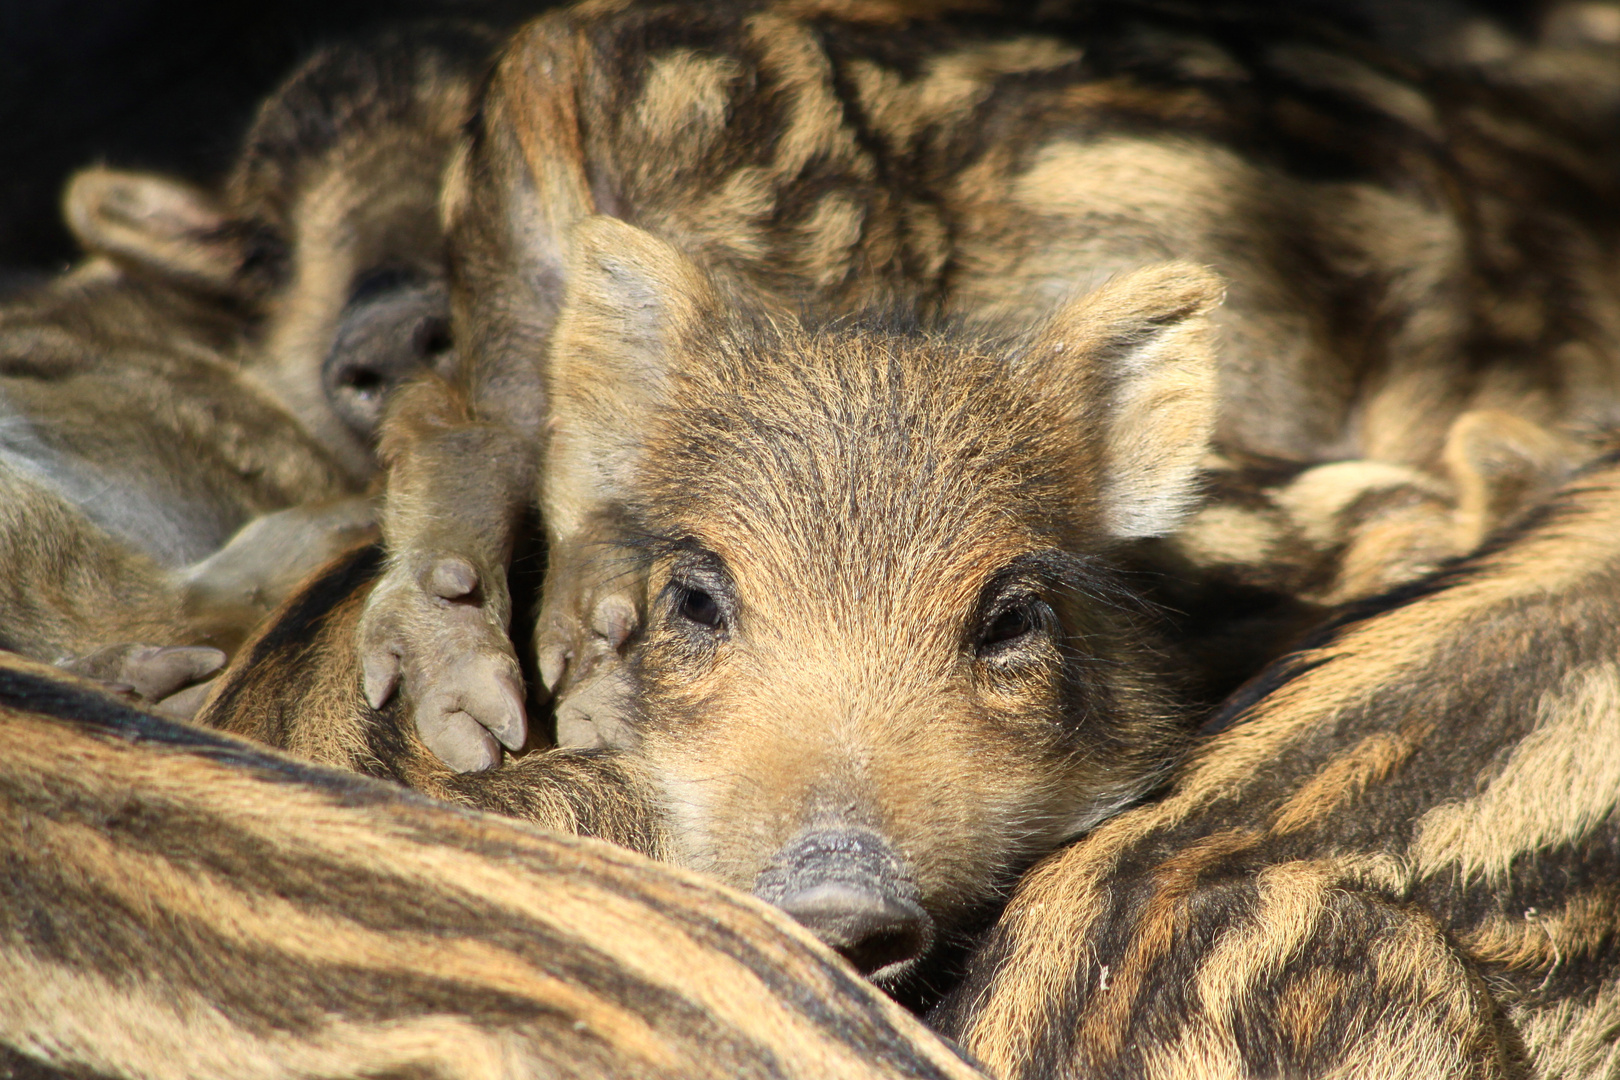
[(1395, 855), (182, 904), (1399, 249), (846, 688), (858, 504)]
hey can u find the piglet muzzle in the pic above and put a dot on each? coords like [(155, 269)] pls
[(850, 889)]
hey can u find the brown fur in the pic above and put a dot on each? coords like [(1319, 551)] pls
[(168, 394), (294, 686), (1279, 932), (131, 451), (1295, 533), (178, 903), (339, 180), (1400, 250), (949, 486), (1333, 534), (1071, 149), (675, 162), (1068, 715), (1396, 856)]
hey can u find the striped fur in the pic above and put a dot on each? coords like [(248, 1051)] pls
[(578, 96), (773, 158), (178, 903), (1396, 855), (130, 451), (169, 393), (1272, 548), (1401, 249), (295, 686), (339, 180)]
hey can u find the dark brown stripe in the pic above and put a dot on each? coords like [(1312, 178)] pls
[(16, 1065)]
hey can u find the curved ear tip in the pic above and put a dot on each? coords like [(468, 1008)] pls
[(1196, 286), (96, 186), (99, 196), (603, 243), (604, 232), (599, 224), (91, 175), (1482, 440), (85, 191)]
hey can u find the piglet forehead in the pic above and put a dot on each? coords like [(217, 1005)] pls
[(866, 463)]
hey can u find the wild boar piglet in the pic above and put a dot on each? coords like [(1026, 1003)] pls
[(880, 655), (186, 418)]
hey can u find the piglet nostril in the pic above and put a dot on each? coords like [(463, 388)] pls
[(849, 887), (872, 930)]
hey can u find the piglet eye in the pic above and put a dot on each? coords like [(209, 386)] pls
[(700, 607), (1008, 626)]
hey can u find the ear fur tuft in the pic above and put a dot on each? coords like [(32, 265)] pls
[(1134, 364), (155, 225), (631, 304)]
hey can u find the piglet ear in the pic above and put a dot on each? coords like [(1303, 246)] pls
[(631, 311), (1133, 366), (1499, 464), (155, 225)]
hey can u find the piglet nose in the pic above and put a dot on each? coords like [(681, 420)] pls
[(870, 929), (849, 888)]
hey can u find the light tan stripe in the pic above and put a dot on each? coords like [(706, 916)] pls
[(1562, 782)]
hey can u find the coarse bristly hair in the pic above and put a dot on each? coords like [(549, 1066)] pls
[(181, 903), (1394, 854), (876, 562)]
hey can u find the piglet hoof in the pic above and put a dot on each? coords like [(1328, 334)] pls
[(435, 634), (580, 646), (185, 704), (171, 678)]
